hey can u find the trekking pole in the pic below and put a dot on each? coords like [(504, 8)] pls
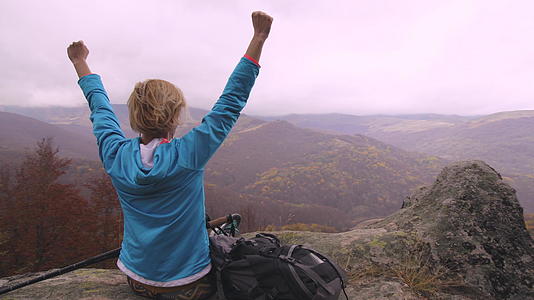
[(219, 221), (78, 265), (232, 220), (93, 260)]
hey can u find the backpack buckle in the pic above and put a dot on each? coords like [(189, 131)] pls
[(288, 259)]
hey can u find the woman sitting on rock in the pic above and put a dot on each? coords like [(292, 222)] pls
[(159, 179)]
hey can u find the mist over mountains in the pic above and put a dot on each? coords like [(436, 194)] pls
[(327, 169), (504, 139)]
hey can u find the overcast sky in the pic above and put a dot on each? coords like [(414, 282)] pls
[(358, 57)]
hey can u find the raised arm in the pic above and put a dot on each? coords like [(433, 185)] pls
[(262, 26), (106, 127), (78, 52), (197, 146)]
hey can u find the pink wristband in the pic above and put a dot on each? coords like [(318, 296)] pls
[(251, 59), (86, 74)]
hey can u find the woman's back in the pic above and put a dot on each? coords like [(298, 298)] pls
[(164, 206), (161, 190)]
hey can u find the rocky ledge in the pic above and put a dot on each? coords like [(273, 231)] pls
[(463, 237)]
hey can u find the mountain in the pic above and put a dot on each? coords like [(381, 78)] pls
[(463, 237), (492, 138), (76, 119), (503, 139), (354, 174), (296, 173), (351, 124), (506, 139), (20, 133)]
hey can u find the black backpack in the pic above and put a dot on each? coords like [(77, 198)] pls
[(261, 268)]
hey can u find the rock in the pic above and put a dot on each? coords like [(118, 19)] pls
[(474, 227), (461, 238), (87, 284)]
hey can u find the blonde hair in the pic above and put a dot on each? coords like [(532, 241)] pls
[(155, 107)]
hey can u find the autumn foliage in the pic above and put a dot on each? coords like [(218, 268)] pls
[(53, 215), (302, 227), (529, 223), (47, 224)]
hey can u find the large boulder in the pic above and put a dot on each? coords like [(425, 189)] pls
[(461, 238), (474, 227)]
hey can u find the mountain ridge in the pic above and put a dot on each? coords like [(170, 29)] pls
[(374, 175), (504, 139)]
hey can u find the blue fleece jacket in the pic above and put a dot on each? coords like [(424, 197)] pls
[(165, 238)]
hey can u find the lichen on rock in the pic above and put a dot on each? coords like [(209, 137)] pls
[(474, 226), (87, 284)]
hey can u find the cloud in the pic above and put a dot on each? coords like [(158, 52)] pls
[(360, 57)]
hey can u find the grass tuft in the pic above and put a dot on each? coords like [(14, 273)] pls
[(414, 269)]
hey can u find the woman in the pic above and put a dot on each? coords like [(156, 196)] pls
[(159, 180)]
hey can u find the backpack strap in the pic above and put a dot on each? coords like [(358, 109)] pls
[(296, 277), (313, 276), (270, 237), (299, 281), (338, 270), (306, 269), (342, 275), (220, 291)]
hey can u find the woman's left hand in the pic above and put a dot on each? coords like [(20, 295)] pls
[(77, 52)]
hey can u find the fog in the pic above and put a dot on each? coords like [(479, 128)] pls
[(357, 57)]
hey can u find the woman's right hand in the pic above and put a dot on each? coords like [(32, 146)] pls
[(262, 24)]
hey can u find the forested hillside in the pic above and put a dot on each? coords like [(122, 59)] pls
[(505, 140), (356, 175), (296, 175)]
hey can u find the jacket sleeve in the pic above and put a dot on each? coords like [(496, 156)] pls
[(106, 126), (199, 145)]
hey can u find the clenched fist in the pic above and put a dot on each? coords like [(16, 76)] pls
[(262, 24), (77, 52)]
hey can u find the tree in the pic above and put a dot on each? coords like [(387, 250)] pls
[(44, 220), (249, 220), (5, 192), (108, 222)]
